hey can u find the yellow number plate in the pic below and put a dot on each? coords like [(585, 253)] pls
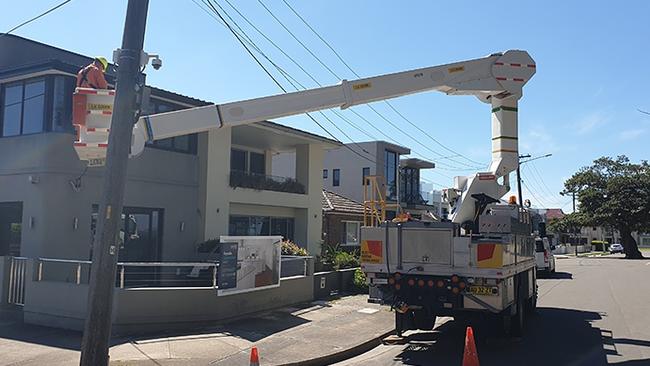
[(484, 290)]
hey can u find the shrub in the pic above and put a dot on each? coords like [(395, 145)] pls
[(291, 248), (343, 260), (360, 280)]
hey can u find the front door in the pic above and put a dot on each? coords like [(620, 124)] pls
[(140, 240), (142, 233)]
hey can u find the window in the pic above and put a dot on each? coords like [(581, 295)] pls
[(257, 163), (247, 162), (261, 226), (238, 161), (185, 143), (324, 173), (351, 232), (336, 177), (364, 173), (62, 89), (390, 162), (23, 105)]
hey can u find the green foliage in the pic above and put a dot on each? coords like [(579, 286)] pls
[(291, 248), (339, 258), (614, 193), (344, 260), (360, 280)]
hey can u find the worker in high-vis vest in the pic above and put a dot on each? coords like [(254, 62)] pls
[(92, 76)]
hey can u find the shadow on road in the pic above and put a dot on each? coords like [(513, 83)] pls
[(557, 276), (553, 337)]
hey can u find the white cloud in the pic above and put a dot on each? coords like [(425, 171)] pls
[(631, 134), (590, 122)]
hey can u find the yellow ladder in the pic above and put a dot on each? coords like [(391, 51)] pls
[(374, 203)]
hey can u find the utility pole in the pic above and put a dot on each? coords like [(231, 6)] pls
[(97, 330), (521, 202)]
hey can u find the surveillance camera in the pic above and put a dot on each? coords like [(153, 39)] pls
[(156, 63)]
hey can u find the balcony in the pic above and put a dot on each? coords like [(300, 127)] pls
[(261, 182)]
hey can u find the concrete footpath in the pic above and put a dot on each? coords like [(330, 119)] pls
[(316, 333)]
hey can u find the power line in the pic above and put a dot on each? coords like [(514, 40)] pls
[(214, 9), (370, 106), (304, 21), (35, 18), (285, 74)]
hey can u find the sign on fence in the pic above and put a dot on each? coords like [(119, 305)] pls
[(249, 263)]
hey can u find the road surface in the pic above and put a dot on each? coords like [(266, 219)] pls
[(594, 311)]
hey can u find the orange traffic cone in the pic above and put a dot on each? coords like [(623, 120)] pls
[(255, 358), (470, 357)]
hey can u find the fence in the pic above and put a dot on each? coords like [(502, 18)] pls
[(17, 273), (132, 274), (293, 265), (149, 274)]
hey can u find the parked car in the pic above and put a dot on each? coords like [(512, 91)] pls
[(544, 258), (616, 248)]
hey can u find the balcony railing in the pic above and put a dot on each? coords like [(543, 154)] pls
[(261, 182), (414, 199)]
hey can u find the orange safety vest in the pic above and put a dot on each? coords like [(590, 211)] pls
[(91, 77)]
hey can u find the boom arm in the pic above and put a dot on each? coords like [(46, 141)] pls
[(497, 79)]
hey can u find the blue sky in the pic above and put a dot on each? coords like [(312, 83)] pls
[(592, 67)]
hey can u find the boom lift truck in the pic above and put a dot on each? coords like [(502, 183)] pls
[(480, 261)]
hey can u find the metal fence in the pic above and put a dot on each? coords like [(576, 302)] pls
[(132, 274), (145, 274), (167, 274), (17, 273), (293, 265)]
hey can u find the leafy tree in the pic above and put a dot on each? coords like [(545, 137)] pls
[(614, 193), (569, 224)]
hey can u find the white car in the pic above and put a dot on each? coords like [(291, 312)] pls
[(544, 258), (616, 248)]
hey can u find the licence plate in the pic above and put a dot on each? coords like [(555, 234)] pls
[(484, 290)]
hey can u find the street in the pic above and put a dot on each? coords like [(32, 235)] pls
[(593, 311)]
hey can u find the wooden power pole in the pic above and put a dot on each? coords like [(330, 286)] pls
[(97, 330)]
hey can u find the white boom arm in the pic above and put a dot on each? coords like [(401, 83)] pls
[(497, 79)]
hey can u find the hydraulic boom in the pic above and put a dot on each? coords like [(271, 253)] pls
[(497, 79)]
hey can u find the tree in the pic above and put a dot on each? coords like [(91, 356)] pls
[(615, 193), (569, 224)]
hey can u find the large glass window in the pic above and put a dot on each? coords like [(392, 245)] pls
[(261, 225), (390, 162), (238, 160), (13, 110), (336, 177), (257, 163), (23, 108), (34, 107), (62, 89), (247, 162)]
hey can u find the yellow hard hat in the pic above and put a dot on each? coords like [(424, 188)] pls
[(102, 61)]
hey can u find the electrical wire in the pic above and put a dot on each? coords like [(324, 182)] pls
[(293, 81), (320, 61), (304, 21), (35, 18), (210, 4)]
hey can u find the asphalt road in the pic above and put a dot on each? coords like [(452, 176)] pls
[(594, 311)]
